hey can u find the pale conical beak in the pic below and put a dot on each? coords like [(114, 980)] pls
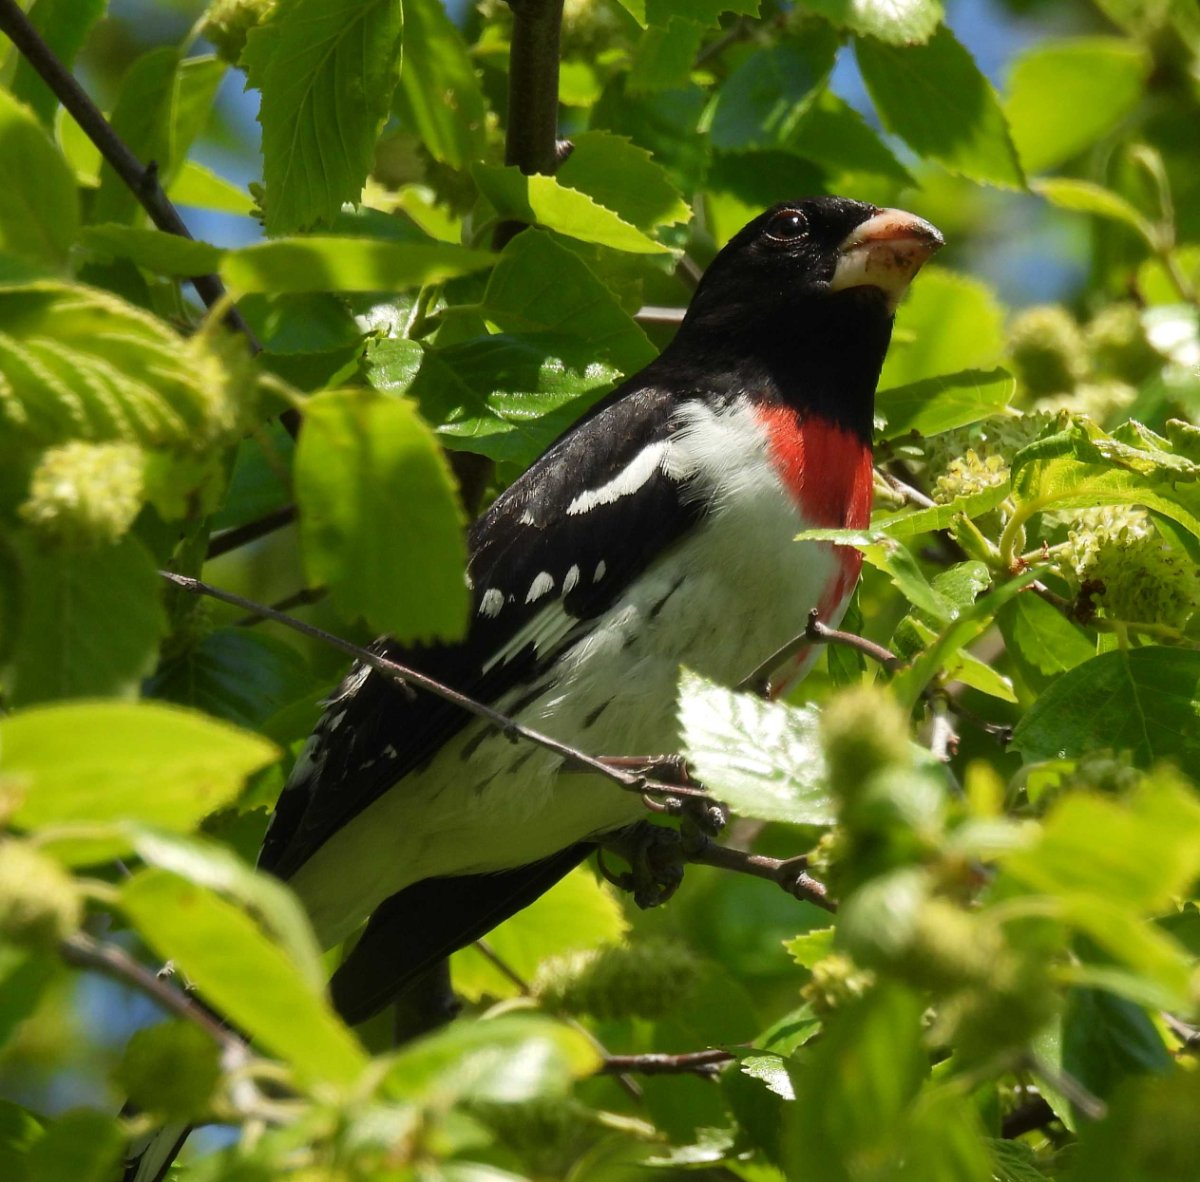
[(886, 251)]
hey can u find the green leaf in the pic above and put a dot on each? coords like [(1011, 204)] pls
[(380, 522), (125, 760), (578, 913), (811, 947), (201, 188), (1042, 641), (899, 22), (540, 286), (39, 204), (142, 118), (324, 263), (934, 97), (1065, 95), (502, 1060), (1086, 197), (260, 895), (439, 95), (326, 70), (1107, 1039), (948, 323), (624, 178), (704, 12), (82, 1145), (542, 201), (854, 1089), (1149, 1134), (1082, 467), (833, 134), (19, 1130), (664, 55), (934, 405), (80, 363), (91, 622), (162, 253), (762, 758), (504, 396), (171, 1070), (241, 676), (909, 524), (64, 26), (221, 949), (764, 100), (1146, 701)]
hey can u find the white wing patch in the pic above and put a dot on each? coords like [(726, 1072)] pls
[(491, 603), (643, 466), (570, 579), (544, 632), (543, 584)]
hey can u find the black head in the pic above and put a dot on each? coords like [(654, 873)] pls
[(799, 303)]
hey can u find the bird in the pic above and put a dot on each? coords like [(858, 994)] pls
[(657, 532)]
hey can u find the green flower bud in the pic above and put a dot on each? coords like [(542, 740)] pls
[(643, 980), (228, 21), (1104, 771), (972, 458), (1101, 400), (85, 494), (836, 980), (547, 1133), (1000, 1014), (863, 732), (1047, 350), (39, 903), (1134, 573), (1119, 346)]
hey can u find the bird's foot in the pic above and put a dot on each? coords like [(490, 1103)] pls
[(655, 857)]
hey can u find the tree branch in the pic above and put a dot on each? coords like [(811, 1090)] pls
[(789, 873), (572, 756), (243, 535), (705, 1063), (142, 180), (112, 961), (531, 141)]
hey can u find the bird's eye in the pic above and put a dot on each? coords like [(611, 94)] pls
[(787, 225)]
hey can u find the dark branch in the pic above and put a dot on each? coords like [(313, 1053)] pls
[(301, 598), (243, 535), (142, 180), (789, 873), (706, 1063), (1034, 1114), (573, 757), (531, 141), (113, 961)]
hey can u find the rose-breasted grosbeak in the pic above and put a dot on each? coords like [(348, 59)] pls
[(657, 532)]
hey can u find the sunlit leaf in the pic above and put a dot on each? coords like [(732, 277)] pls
[(901, 22), (326, 69)]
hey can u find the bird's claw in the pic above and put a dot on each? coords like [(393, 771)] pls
[(655, 857)]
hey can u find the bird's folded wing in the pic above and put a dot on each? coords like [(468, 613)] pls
[(552, 553)]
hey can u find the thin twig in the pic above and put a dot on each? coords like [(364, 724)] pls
[(789, 873), (658, 314), (142, 180), (404, 675), (301, 598), (705, 1063), (814, 632), (243, 535), (113, 961)]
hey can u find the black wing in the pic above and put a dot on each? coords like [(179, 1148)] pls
[(426, 922), (374, 732)]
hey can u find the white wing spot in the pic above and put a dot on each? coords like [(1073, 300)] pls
[(542, 585), (571, 579), (335, 721), (491, 603), (526, 518), (600, 569), (639, 470)]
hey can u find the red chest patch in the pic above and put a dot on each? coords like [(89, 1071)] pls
[(826, 468)]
